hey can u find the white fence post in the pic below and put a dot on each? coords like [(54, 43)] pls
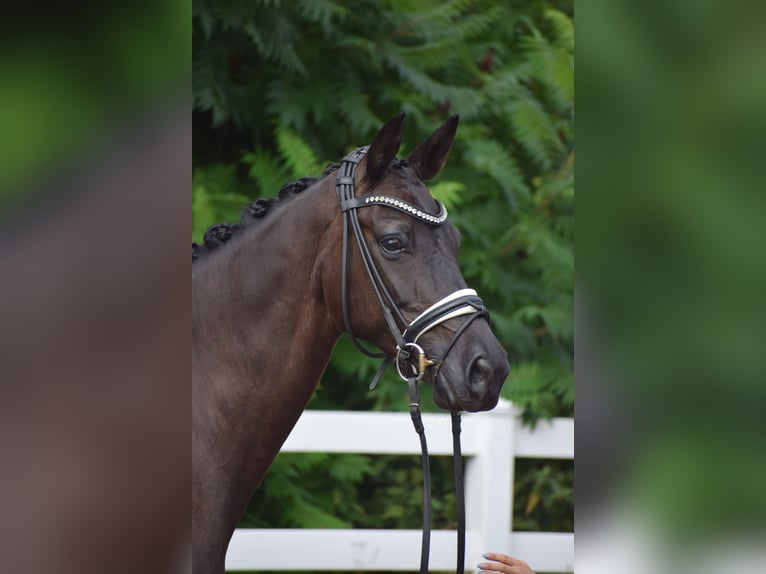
[(489, 484)]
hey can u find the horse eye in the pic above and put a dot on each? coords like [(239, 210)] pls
[(392, 245)]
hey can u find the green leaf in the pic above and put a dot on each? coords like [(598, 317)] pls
[(448, 192), (308, 515), (563, 28), (534, 130), (296, 153), (267, 172), (491, 157), (351, 468), (215, 198)]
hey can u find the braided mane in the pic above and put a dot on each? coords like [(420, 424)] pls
[(219, 233)]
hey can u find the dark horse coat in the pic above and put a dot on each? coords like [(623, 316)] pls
[(266, 313)]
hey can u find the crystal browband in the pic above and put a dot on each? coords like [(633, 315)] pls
[(399, 204)]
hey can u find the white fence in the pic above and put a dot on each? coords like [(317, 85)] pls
[(491, 441)]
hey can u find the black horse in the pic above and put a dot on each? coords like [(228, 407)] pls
[(366, 250)]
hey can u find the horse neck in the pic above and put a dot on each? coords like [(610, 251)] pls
[(262, 333)]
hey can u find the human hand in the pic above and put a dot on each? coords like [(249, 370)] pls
[(504, 564)]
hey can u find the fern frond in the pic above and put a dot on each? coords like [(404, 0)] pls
[(451, 9), (350, 467), (351, 104), (275, 37), (267, 172), (308, 515), (551, 65), (288, 103), (554, 254), (456, 20), (431, 56), (563, 28), (448, 192), (205, 17), (323, 12), (476, 25), (534, 130), (491, 157), (457, 96), (296, 153), (216, 197)]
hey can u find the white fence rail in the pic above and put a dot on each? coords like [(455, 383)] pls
[(491, 441)]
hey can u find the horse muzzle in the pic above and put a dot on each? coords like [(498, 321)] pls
[(470, 379), (470, 367)]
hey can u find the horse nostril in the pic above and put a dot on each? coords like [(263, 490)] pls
[(480, 373)]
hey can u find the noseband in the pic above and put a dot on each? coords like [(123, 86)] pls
[(411, 360)]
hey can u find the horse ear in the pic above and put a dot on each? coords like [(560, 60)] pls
[(384, 148), (429, 156)]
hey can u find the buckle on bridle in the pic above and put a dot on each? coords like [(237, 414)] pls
[(404, 361)]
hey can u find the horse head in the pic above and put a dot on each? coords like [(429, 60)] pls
[(402, 288)]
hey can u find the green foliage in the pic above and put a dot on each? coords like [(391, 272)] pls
[(309, 491), (543, 492), (298, 156), (216, 196), (281, 88), (314, 490), (70, 83)]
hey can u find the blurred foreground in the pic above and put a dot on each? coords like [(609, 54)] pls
[(95, 173), (670, 466)]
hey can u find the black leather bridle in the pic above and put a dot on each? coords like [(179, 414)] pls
[(411, 359)]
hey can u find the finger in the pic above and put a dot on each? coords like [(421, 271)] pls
[(491, 567), (505, 564), (496, 567), (502, 558)]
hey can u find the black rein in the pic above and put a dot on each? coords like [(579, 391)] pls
[(411, 359)]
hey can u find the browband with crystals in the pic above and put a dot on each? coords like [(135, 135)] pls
[(399, 204)]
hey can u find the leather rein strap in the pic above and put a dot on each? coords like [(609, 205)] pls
[(411, 360)]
